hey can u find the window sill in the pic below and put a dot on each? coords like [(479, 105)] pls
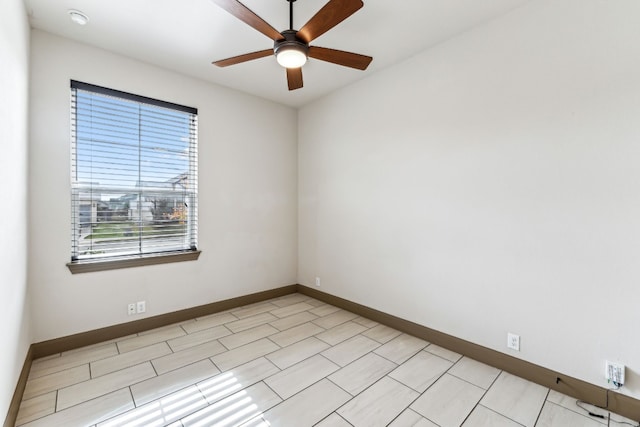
[(88, 266)]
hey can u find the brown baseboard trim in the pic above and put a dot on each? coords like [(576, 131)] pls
[(618, 403), (57, 345), (14, 406)]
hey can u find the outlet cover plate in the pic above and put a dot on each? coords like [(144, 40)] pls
[(614, 373), (513, 341), (142, 306)]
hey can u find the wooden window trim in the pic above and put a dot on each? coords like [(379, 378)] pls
[(89, 266)]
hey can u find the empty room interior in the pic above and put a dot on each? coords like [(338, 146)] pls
[(435, 221)]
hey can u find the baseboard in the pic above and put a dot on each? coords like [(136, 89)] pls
[(14, 406), (618, 403), (57, 345), (47, 348)]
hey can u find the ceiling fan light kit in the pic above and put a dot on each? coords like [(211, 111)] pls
[(290, 52), (290, 47)]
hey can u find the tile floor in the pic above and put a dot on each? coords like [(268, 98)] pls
[(291, 361)]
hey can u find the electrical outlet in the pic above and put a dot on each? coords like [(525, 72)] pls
[(142, 306), (614, 373), (317, 281), (513, 341), (131, 309)]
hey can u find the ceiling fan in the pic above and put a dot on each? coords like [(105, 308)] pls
[(291, 47)]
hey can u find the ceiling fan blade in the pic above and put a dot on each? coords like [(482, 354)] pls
[(340, 57), (331, 14), (247, 16), (243, 58), (294, 78)]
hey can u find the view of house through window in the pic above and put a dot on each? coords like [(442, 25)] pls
[(133, 175)]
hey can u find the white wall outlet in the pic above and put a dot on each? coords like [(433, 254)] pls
[(513, 341), (131, 309), (142, 306), (317, 281), (614, 373)]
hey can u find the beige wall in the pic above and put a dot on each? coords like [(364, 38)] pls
[(14, 89), (491, 185), (247, 201)]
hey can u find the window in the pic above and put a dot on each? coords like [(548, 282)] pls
[(133, 180)]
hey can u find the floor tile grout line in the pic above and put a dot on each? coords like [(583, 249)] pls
[(481, 397), (150, 361), (54, 373), (419, 393), (446, 372), (133, 401), (274, 392), (294, 326), (374, 383), (498, 413), (546, 397), (298, 362), (467, 381), (72, 365), (55, 405), (340, 387), (109, 373), (358, 358), (400, 414), (331, 413), (439, 357), (299, 391), (399, 364), (214, 315), (258, 339), (580, 413), (181, 326), (504, 415), (214, 364), (275, 343), (135, 406), (154, 368), (80, 403), (224, 324)]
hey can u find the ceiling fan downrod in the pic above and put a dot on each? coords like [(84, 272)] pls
[(291, 14)]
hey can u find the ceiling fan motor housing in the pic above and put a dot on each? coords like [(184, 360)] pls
[(290, 41)]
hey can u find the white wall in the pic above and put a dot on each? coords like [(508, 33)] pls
[(14, 90), (247, 202), (491, 184)]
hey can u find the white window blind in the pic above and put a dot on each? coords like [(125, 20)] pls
[(133, 175)]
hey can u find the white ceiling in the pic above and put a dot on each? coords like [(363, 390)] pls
[(187, 35)]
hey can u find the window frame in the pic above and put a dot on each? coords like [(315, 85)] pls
[(111, 262)]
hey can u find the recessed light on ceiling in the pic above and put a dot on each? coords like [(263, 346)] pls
[(78, 17)]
